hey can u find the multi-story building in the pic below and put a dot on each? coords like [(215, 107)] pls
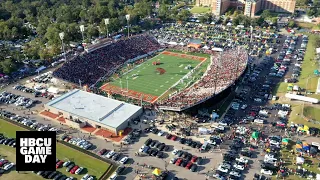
[(286, 6), (218, 7), (251, 7)]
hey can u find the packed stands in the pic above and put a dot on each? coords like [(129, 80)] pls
[(219, 76), (90, 67)]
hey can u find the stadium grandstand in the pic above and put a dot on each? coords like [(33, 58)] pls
[(223, 71), (103, 61)]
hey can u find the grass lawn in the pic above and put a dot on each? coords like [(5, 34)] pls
[(290, 159), (295, 115), (312, 112), (93, 166), (145, 78), (199, 10), (306, 25), (308, 66)]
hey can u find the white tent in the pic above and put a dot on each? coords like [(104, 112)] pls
[(229, 24), (53, 90), (318, 50), (300, 160)]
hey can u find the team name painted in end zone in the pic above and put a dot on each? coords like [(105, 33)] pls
[(35, 150)]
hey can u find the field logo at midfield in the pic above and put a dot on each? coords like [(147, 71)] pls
[(36, 151)]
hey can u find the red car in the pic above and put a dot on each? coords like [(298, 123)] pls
[(188, 166), (73, 170), (3, 162), (194, 159), (178, 162), (67, 139), (174, 137), (168, 136), (59, 164), (102, 151)]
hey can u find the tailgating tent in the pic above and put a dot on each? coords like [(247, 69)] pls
[(298, 146), (306, 146), (316, 72), (156, 172), (304, 128), (300, 160), (255, 135), (285, 141)]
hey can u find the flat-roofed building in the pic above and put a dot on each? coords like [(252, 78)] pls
[(80, 108)]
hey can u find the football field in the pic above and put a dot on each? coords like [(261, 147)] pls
[(152, 78)]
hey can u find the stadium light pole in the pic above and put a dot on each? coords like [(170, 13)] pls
[(106, 22), (61, 35), (82, 30), (128, 19)]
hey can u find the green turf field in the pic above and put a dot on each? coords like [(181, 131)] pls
[(93, 166), (149, 81)]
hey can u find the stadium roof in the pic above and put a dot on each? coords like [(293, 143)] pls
[(94, 107)]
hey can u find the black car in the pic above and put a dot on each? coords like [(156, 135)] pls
[(269, 166), (194, 168), (185, 154), (160, 154), (184, 163), (161, 146), (148, 141), (2, 140), (166, 148), (194, 144), (154, 153), (246, 153), (153, 143), (46, 173), (199, 160), (69, 167), (7, 141), (180, 153), (182, 140), (11, 143), (188, 157), (63, 177), (199, 145), (168, 136), (116, 156), (120, 169), (53, 174)]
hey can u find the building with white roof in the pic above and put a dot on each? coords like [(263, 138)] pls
[(81, 108)]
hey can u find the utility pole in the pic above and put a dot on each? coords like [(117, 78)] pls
[(128, 20), (106, 22), (61, 35), (82, 30)]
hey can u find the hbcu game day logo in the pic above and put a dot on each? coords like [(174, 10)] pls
[(36, 150)]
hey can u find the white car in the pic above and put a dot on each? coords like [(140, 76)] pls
[(85, 177), (270, 160), (173, 160), (160, 133), (8, 166), (244, 106), (235, 173), (267, 172), (242, 160), (90, 178), (110, 154), (239, 167), (65, 164), (113, 176), (174, 152), (142, 148), (223, 169), (79, 170), (124, 160)]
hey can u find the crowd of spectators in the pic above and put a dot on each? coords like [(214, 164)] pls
[(222, 72), (90, 67)]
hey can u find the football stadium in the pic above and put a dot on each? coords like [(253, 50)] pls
[(142, 71)]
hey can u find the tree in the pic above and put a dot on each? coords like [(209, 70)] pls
[(183, 15), (291, 24), (317, 41), (203, 19), (7, 66), (266, 14), (302, 2)]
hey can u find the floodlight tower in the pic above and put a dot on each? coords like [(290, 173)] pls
[(82, 30), (61, 35), (106, 22), (128, 20)]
